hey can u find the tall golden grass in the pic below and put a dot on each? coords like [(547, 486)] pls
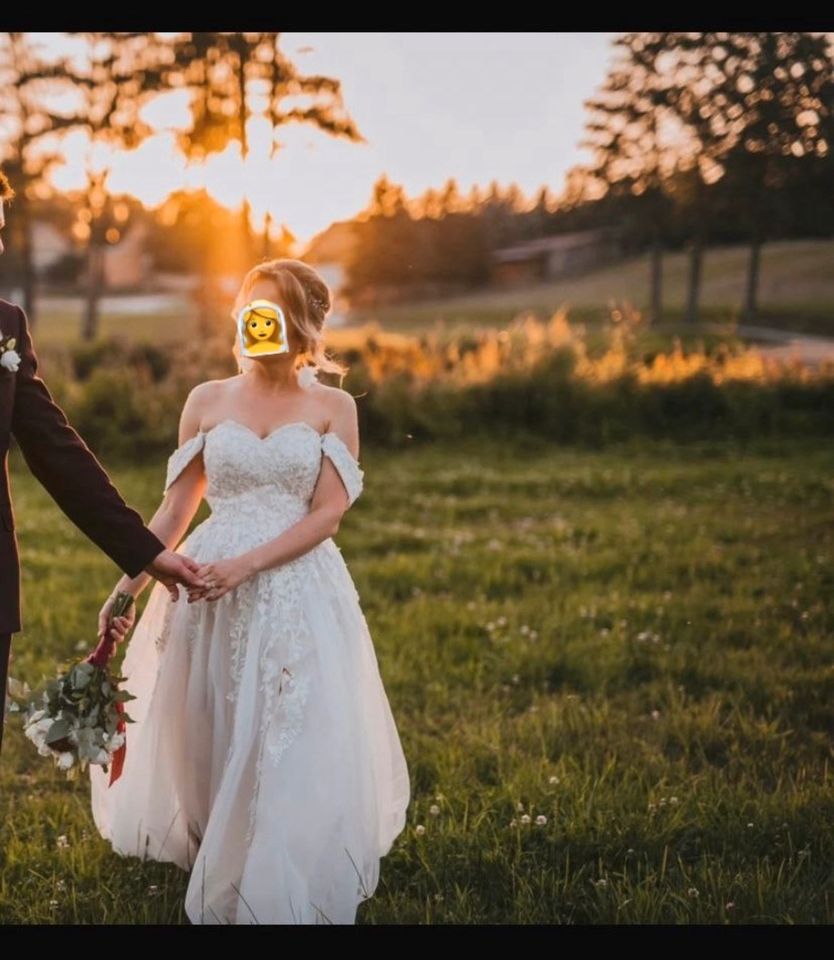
[(479, 356)]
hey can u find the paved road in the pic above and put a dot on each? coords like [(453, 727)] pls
[(781, 344)]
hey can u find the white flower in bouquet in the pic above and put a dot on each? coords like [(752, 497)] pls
[(79, 718)]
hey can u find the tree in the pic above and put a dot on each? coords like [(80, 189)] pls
[(26, 79), (780, 108), (633, 153), (758, 107), (115, 75), (233, 77)]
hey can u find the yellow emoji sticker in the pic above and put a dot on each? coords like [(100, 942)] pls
[(262, 328)]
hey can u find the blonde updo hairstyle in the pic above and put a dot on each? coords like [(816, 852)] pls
[(305, 299)]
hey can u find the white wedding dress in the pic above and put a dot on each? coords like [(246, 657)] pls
[(264, 756)]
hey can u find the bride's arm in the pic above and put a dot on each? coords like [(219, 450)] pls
[(172, 517), (328, 505)]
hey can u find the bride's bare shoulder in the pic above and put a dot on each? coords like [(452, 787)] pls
[(203, 397), (210, 390), (339, 402)]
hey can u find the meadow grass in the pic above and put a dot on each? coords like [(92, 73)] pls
[(633, 643)]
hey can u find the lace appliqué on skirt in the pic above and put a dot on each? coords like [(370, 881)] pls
[(284, 682)]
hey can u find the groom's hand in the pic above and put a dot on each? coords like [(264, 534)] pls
[(172, 568)]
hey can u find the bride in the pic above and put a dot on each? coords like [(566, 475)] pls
[(264, 757)]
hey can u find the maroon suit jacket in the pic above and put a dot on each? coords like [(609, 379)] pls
[(64, 465)]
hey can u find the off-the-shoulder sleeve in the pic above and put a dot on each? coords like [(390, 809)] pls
[(345, 463), (182, 456)]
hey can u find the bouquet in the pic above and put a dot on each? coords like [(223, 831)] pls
[(79, 717)]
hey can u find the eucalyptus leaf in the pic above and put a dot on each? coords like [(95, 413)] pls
[(59, 729)]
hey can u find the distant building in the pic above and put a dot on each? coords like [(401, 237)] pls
[(49, 245), (556, 257), (127, 264)]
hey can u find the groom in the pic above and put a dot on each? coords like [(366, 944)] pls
[(66, 467)]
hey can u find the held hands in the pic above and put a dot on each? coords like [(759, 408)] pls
[(171, 568), (208, 581), (220, 577)]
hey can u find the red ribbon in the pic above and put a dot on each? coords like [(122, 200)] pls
[(99, 658)]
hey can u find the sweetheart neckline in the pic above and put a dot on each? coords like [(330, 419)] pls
[(272, 433)]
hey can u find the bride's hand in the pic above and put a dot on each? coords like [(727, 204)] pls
[(121, 626), (221, 577)]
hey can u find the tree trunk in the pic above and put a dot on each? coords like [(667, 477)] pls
[(750, 311), (27, 264), (247, 238), (95, 262), (695, 266), (267, 251), (656, 293)]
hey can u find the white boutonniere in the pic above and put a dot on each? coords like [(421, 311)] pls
[(9, 357)]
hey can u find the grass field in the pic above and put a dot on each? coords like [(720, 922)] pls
[(634, 644)]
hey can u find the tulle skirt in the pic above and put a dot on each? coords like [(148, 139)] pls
[(264, 757)]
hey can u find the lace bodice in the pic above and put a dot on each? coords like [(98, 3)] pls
[(258, 487), (247, 473)]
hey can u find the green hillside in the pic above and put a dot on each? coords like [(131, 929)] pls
[(796, 291)]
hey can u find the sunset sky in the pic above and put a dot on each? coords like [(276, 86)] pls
[(476, 106)]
